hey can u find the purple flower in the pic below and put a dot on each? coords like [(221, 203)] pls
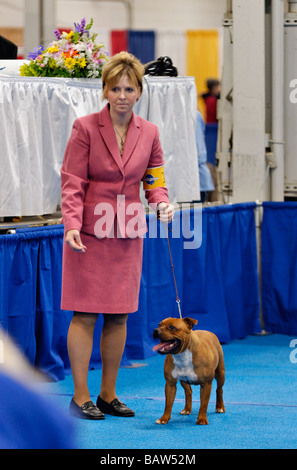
[(83, 25), (77, 27), (37, 51), (57, 33), (81, 28)]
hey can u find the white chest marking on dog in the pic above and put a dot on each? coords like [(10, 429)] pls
[(183, 367)]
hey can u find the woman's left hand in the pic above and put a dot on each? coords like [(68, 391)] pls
[(165, 212)]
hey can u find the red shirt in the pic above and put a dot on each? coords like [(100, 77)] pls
[(211, 107)]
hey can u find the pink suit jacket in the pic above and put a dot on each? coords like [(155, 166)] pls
[(93, 172)]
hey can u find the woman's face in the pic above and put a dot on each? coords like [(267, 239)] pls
[(122, 96)]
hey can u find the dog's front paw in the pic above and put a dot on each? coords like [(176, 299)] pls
[(202, 420), (162, 420), (185, 412), (220, 410)]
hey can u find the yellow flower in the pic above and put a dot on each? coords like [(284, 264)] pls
[(53, 49), (69, 36), (69, 62), (81, 62), (51, 63)]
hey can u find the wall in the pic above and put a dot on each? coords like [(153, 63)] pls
[(165, 14)]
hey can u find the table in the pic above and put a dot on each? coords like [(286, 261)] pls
[(37, 114)]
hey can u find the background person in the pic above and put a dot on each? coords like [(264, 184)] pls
[(210, 99), (205, 178), (29, 418)]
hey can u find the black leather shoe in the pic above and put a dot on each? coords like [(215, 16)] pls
[(116, 408), (87, 411)]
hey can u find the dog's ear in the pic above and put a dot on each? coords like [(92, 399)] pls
[(190, 322)]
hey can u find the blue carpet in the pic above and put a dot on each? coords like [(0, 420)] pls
[(259, 394)]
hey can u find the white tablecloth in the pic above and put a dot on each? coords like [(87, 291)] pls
[(36, 117)]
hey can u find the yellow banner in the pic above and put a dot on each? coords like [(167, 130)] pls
[(203, 51), (154, 178)]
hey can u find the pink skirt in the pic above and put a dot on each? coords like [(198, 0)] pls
[(104, 279)]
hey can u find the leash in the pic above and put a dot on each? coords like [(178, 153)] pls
[(172, 266)]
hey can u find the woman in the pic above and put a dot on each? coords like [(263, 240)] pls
[(106, 157)]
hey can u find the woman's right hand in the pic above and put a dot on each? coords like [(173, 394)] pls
[(72, 238)]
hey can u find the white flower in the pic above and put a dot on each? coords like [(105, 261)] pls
[(60, 61), (80, 47)]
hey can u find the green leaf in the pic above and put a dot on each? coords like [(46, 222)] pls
[(75, 37), (89, 26)]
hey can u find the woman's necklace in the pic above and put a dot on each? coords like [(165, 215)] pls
[(122, 137)]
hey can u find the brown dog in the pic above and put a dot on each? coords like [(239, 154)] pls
[(193, 357)]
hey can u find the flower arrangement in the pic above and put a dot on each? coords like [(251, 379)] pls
[(73, 54)]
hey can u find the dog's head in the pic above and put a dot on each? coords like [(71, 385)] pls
[(173, 334)]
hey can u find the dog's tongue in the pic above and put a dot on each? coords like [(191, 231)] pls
[(159, 346)]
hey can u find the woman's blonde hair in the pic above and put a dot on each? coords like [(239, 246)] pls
[(119, 65)]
